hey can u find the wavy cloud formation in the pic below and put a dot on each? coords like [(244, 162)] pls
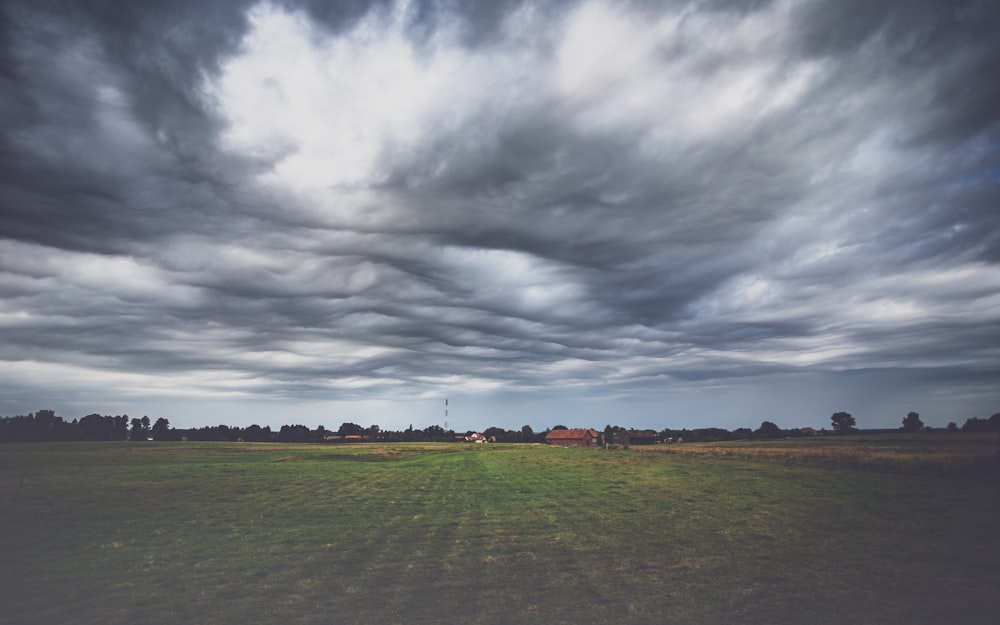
[(678, 213)]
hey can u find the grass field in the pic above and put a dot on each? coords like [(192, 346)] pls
[(868, 530)]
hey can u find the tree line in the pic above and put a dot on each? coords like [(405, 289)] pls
[(45, 425)]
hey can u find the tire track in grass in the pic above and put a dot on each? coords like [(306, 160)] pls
[(458, 544), (447, 576), (582, 526), (403, 567), (545, 547), (495, 548)]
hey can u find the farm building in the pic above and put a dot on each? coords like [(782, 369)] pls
[(577, 437), (633, 437), (473, 437), (642, 437)]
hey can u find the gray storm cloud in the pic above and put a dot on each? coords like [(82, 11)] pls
[(305, 202)]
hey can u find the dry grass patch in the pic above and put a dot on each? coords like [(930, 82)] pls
[(930, 453)]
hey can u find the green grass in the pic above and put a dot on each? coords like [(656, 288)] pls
[(258, 533)]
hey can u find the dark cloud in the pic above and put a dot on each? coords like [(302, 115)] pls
[(114, 142), (678, 205)]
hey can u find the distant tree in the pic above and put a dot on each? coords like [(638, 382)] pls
[(256, 434), (843, 423), (912, 422), (139, 430), (410, 435), (44, 425), (18, 429), (97, 428), (212, 433), (253, 434), (68, 430), (952, 427), (121, 427), (742, 433), (612, 435), (319, 434), (285, 434), (560, 427), (350, 429), (294, 434), (41, 426), (767, 430), (435, 433), (707, 434), (161, 430), (975, 424)]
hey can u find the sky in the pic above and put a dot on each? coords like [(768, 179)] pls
[(690, 213)]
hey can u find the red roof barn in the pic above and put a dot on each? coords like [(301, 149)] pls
[(576, 438)]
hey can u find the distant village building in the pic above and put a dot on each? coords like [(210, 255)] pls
[(350, 438), (474, 437), (574, 438), (642, 437)]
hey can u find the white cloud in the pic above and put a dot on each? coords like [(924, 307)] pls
[(124, 278), (85, 377), (525, 284), (327, 107)]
